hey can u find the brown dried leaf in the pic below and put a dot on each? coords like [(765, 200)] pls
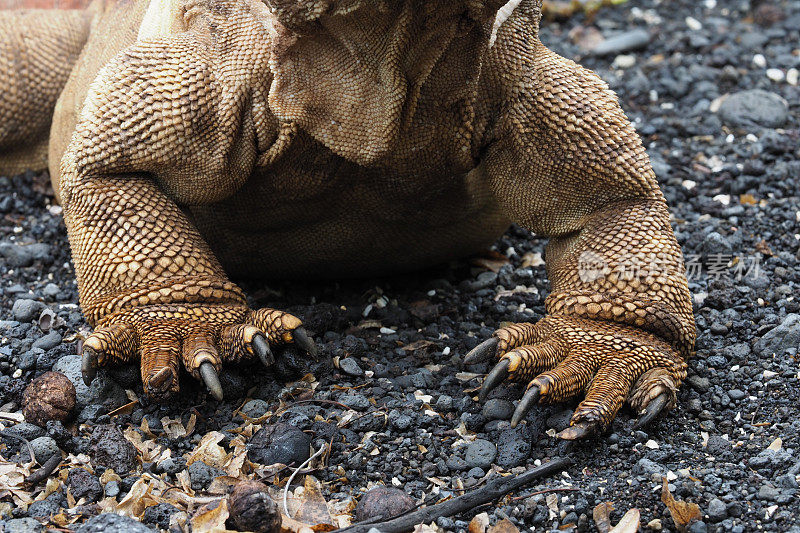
[(532, 259), (494, 261), (213, 520), (683, 513), (764, 248), (629, 523), (747, 199), (602, 516), (209, 451), (417, 345), (504, 526), (290, 525), (478, 524), (312, 509)]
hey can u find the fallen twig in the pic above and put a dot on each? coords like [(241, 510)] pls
[(44, 472), (545, 491), (493, 490)]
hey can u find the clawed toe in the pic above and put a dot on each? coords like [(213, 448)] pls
[(653, 409), (579, 430), (209, 376), (262, 350), (498, 374), (303, 341), (529, 399), (88, 365), (483, 352)]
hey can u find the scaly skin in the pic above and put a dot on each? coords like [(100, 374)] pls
[(326, 138)]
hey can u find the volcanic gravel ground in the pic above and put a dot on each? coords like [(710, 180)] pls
[(730, 172)]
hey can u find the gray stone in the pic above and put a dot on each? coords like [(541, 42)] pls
[(698, 383), (754, 107), (645, 466), (26, 310), (23, 255), (359, 402), (44, 448), (780, 338), (350, 366), (624, 42), (279, 443), (255, 408), (717, 510), (103, 390), (498, 409), (49, 341), (716, 244), (768, 492), (513, 447), (480, 453), (25, 430), (202, 474), (24, 525), (112, 523)]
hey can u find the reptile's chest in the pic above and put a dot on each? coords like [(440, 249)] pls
[(312, 212)]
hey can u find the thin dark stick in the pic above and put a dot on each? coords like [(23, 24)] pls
[(493, 490), (44, 472), (545, 491)]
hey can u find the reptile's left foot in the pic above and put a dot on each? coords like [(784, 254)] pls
[(566, 356), (198, 337)]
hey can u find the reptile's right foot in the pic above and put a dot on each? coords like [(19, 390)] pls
[(199, 337)]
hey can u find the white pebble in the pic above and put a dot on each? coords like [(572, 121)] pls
[(387, 331), (792, 76), (775, 74), (432, 292), (446, 350), (693, 24), (759, 61), (724, 199), (689, 184), (17, 373), (710, 4), (624, 61), (653, 445)]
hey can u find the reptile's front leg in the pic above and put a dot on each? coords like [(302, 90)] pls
[(165, 121), (568, 165)]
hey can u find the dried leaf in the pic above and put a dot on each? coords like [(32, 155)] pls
[(133, 504), (478, 524), (417, 345), (602, 516), (629, 523), (213, 520), (683, 513), (290, 525), (776, 445), (764, 248), (209, 451), (311, 507), (504, 526), (552, 505), (747, 199), (490, 264), (532, 259)]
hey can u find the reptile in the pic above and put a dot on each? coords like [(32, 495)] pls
[(191, 142)]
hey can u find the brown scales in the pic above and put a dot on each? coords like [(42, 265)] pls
[(195, 139)]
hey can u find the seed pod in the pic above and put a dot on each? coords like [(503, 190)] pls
[(51, 396), (252, 509)]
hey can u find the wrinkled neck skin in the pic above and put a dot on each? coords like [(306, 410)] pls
[(352, 73)]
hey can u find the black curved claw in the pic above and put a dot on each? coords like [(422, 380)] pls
[(261, 348), (210, 378), (652, 410), (162, 380), (482, 352), (528, 400), (304, 342), (88, 365), (578, 431), (494, 378)]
